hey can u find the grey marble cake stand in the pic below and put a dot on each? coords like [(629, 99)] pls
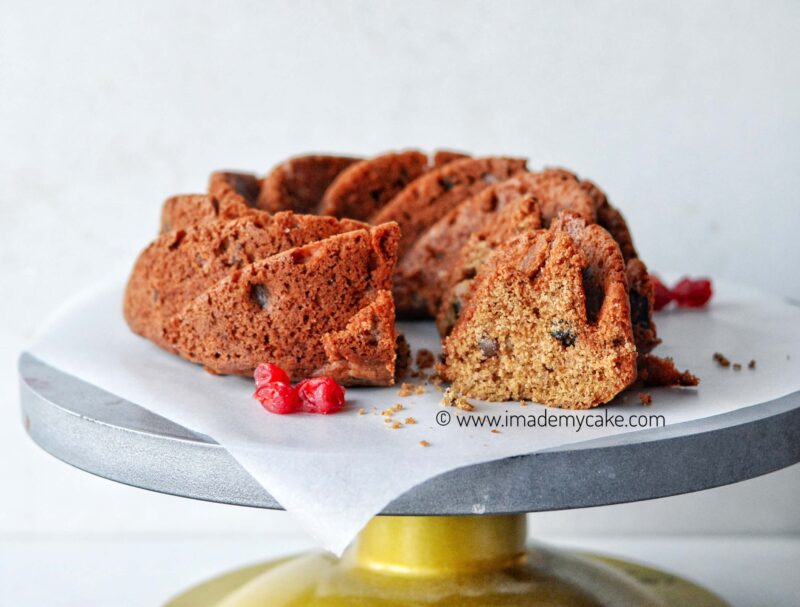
[(103, 434), (116, 439)]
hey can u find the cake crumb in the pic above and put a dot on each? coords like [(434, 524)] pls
[(523, 403), (646, 398), (721, 360), (425, 359), (410, 421), (737, 367), (406, 389), (362, 411), (751, 364), (396, 425), (424, 443), (419, 390), (496, 431), (451, 399)]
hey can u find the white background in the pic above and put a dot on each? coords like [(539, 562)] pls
[(685, 113)]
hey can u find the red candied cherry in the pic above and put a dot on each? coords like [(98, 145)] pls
[(692, 293), (320, 395), (662, 294), (277, 397), (267, 373)]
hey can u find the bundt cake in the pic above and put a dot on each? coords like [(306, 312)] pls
[(299, 183), (363, 188), (548, 320), (533, 278)]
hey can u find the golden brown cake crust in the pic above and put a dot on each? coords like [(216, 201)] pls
[(548, 321), (278, 309), (427, 199), (181, 264), (299, 183), (423, 272)]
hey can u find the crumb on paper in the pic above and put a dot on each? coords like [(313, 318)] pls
[(451, 399), (411, 390), (410, 421), (362, 411), (496, 431), (737, 367), (392, 410), (396, 425), (523, 403), (721, 360), (436, 379), (424, 443), (646, 398), (751, 364), (425, 359)]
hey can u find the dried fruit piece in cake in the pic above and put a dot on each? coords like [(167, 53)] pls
[(364, 187), (364, 352), (426, 200), (181, 264), (423, 272), (280, 308), (299, 183), (548, 321)]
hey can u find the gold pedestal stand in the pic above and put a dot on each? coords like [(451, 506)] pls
[(445, 561)]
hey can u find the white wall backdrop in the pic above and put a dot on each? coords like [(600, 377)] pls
[(686, 113)]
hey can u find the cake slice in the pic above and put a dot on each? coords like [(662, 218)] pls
[(299, 183), (427, 199), (548, 320), (364, 187), (423, 272), (181, 264), (280, 310)]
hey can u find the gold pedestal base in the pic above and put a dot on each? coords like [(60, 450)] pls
[(443, 562)]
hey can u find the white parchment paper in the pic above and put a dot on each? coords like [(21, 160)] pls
[(335, 472)]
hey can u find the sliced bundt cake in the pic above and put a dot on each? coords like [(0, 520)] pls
[(423, 272), (363, 188), (181, 264), (280, 309), (427, 199), (299, 183), (548, 320)]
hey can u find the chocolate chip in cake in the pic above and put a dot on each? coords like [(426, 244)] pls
[(259, 295), (488, 347), (447, 184), (564, 336)]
